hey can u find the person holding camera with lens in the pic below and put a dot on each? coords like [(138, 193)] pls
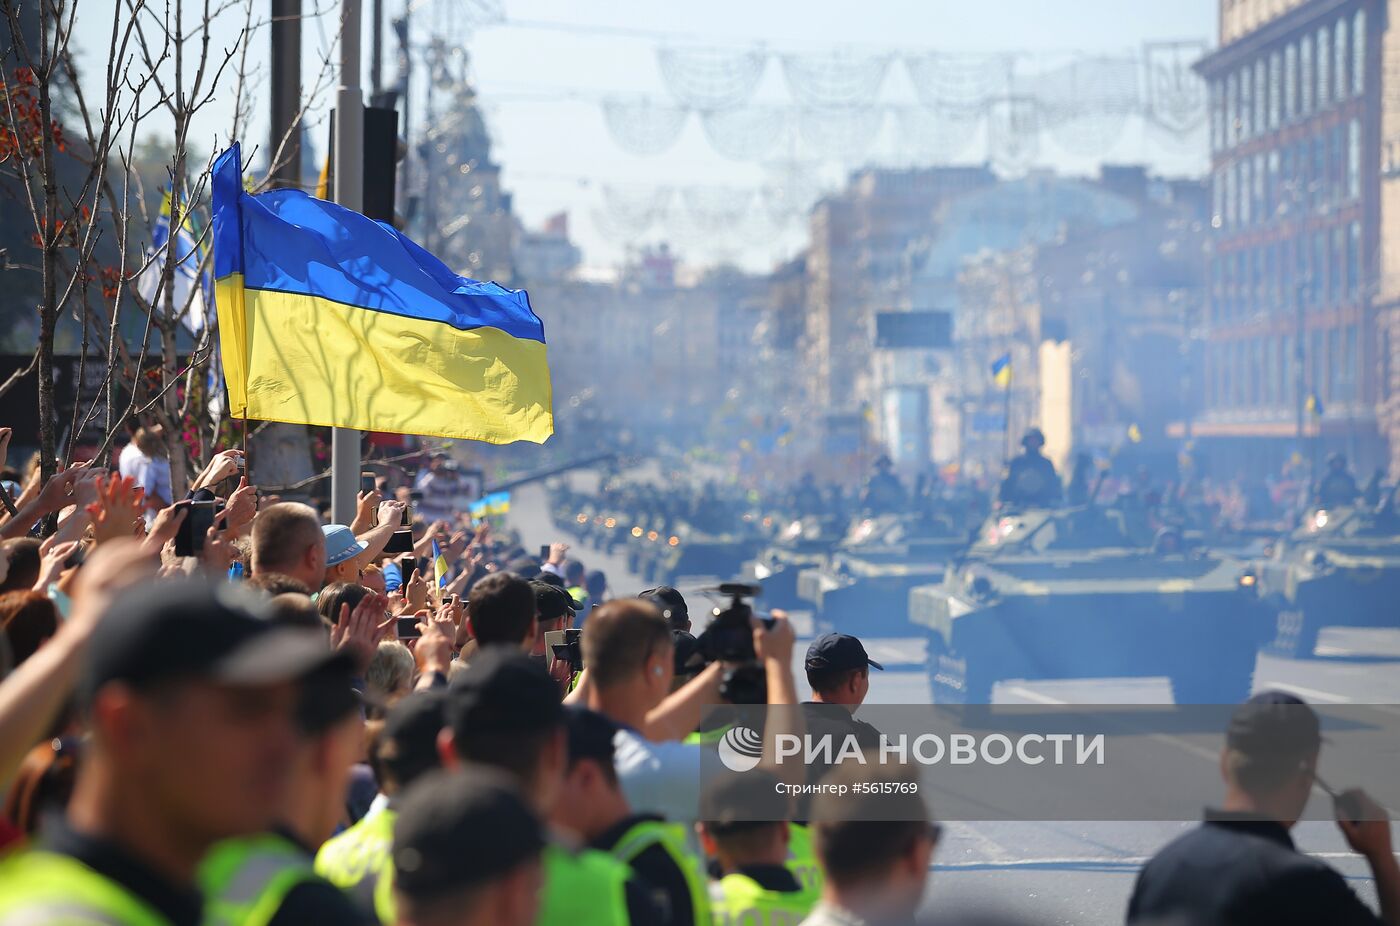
[(629, 663)]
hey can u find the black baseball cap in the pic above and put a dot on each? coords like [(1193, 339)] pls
[(590, 735), (193, 628), (1274, 724), (549, 578), (670, 601), (457, 830), (838, 652), (407, 746), (551, 602), (503, 691)]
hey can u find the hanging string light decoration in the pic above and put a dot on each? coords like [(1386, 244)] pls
[(959, 82), (1085, 103), (709, 78), (748, 133), (835, 79), (643, 127)]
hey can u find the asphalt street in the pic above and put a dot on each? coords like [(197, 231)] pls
[(1063, 872)]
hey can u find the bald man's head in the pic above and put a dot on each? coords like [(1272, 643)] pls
[(287, 540)]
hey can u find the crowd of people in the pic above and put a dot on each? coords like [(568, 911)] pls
[(217, 708)]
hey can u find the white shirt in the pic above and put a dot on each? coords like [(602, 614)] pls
[(659, 778), (825, 914), (132, 463)]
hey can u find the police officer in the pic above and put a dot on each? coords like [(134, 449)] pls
[(503, 711), (1240, 866), (745, 830), (359, 860), (467, 852), (1031, 480), (1337, 487), (268, 879), (191, 699), (593, 806)]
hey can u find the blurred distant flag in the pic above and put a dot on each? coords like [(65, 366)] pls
[(439, 565), (497, 503), (1001, 370), (477, 509), (190, 284), (327, 317), (1134, 433), (1314, 404)]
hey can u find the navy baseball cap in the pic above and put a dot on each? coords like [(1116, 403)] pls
[(1274, 723), (195, 629), (839, 652), (502, 691)]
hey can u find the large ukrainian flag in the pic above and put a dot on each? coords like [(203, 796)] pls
[(330, 318)]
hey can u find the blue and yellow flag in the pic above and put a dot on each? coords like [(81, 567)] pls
[(497, 503), (191, 288), (327, 317), (1314, 404), (439, 566), (1001, 370)]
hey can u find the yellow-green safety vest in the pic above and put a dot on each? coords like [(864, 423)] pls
[(802, 858), (57, 890), (670, 837), (360, 862), (585, 888), (246, 880), (738, 900)]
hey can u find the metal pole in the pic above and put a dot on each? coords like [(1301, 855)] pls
[(349, 192), (376, 49), (286, 94)]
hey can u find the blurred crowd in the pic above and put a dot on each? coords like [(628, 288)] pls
[(217, 707)]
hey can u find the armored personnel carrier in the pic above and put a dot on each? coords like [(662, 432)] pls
[(802, 544), (863, 587), (1339, 568), (1054, 594)]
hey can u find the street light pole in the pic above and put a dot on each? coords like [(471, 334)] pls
[(349, 192)]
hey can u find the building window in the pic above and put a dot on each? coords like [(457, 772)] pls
[(1316, 359), (1230, 193), (1290, 82), (1339, 39), (1319, 266), (1245, 187), (1336, 257), (1217, 198), (1261, 96), (1305, 77), (1324, 67), (1334, 364), (1354, 159), (1358, 53), (1289, 386), (1246, 111), (1273, 194), (1352, 365), (1232, 103), (1258, 209), (1318, 186), (1337, 167), (1354, 260), (1217, 116), (1275, 88)]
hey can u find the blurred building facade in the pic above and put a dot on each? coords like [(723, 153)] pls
[(1298, 317)]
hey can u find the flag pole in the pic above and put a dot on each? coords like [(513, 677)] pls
[(349, 192)]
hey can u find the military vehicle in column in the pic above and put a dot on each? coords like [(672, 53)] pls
[(1070, 593), (1339, 568), (804, 543), (863, 586)]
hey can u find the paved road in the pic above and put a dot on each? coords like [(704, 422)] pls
[(1065, 872)]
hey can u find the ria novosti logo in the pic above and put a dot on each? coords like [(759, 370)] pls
[(740, 749)]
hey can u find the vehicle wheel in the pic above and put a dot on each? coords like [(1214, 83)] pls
[(1228, 683), (1295, 636), (953, 678)]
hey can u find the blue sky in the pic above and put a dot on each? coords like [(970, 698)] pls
[(543, 72)]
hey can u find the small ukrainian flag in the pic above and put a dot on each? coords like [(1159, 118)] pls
[(439, 566), (1314, 404), (497, 503), (1134, 433), (1001, 370)]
